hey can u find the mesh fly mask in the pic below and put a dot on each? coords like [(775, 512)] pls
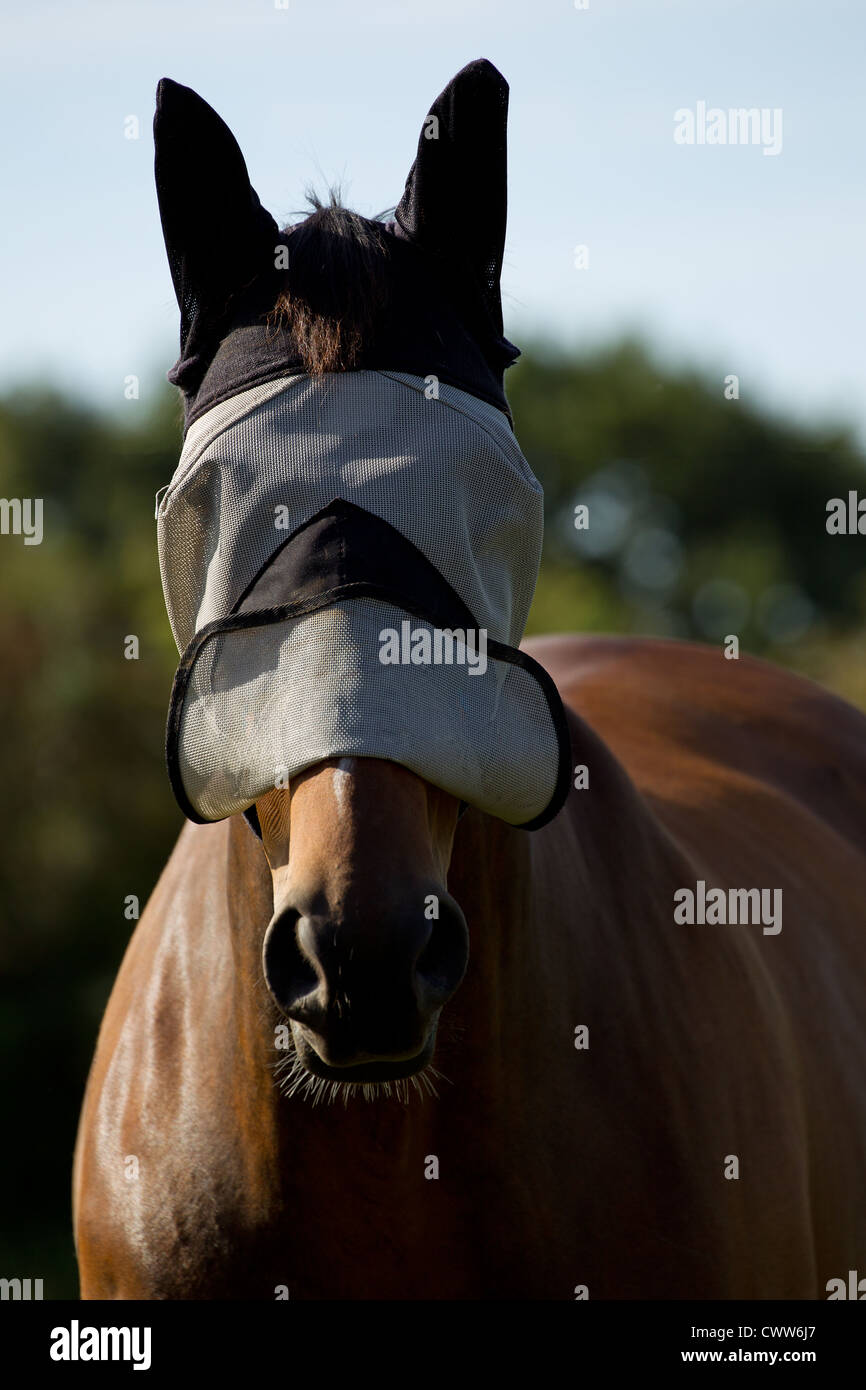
[(348, 559)]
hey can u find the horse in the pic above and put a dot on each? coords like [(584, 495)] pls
[(622, 1058)]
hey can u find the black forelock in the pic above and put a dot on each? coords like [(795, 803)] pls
[(360, 287)]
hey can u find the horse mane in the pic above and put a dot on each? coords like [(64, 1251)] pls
[(337, 285)]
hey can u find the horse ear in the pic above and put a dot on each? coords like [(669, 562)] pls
[(216, 230), (454, 204)]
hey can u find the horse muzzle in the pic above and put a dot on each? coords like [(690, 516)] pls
[(363, 990)]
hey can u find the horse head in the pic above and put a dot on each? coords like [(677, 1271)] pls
[(349, 549)]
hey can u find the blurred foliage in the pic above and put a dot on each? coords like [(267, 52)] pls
[(706, 516)]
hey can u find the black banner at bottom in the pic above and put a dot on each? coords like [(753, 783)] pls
[(164, 1339)]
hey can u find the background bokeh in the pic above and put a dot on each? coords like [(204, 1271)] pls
[(707, 513)]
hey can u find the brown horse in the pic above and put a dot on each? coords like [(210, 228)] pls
[(540, 1167), (650, 1079)]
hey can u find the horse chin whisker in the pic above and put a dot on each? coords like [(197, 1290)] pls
[(294, 1081)]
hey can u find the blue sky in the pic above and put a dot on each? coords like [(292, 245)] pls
[(720, 255)]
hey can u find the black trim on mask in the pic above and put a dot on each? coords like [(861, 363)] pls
[(344, 551)]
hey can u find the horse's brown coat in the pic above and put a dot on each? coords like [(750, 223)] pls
[(557, 1167)]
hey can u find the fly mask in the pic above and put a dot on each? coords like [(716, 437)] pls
[(348, 558)]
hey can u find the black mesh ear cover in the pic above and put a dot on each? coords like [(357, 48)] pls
[(218, 237), (454, 204), (444, 249)]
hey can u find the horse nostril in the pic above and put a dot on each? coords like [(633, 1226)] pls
[(442, 964), (290, 976)]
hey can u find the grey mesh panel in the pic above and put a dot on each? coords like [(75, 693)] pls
[(263, 702), (448, 473), (266, 702)]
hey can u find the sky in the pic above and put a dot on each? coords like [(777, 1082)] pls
[(722, 256)]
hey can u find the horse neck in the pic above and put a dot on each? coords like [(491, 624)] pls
[(249, 903), (574, 909)]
